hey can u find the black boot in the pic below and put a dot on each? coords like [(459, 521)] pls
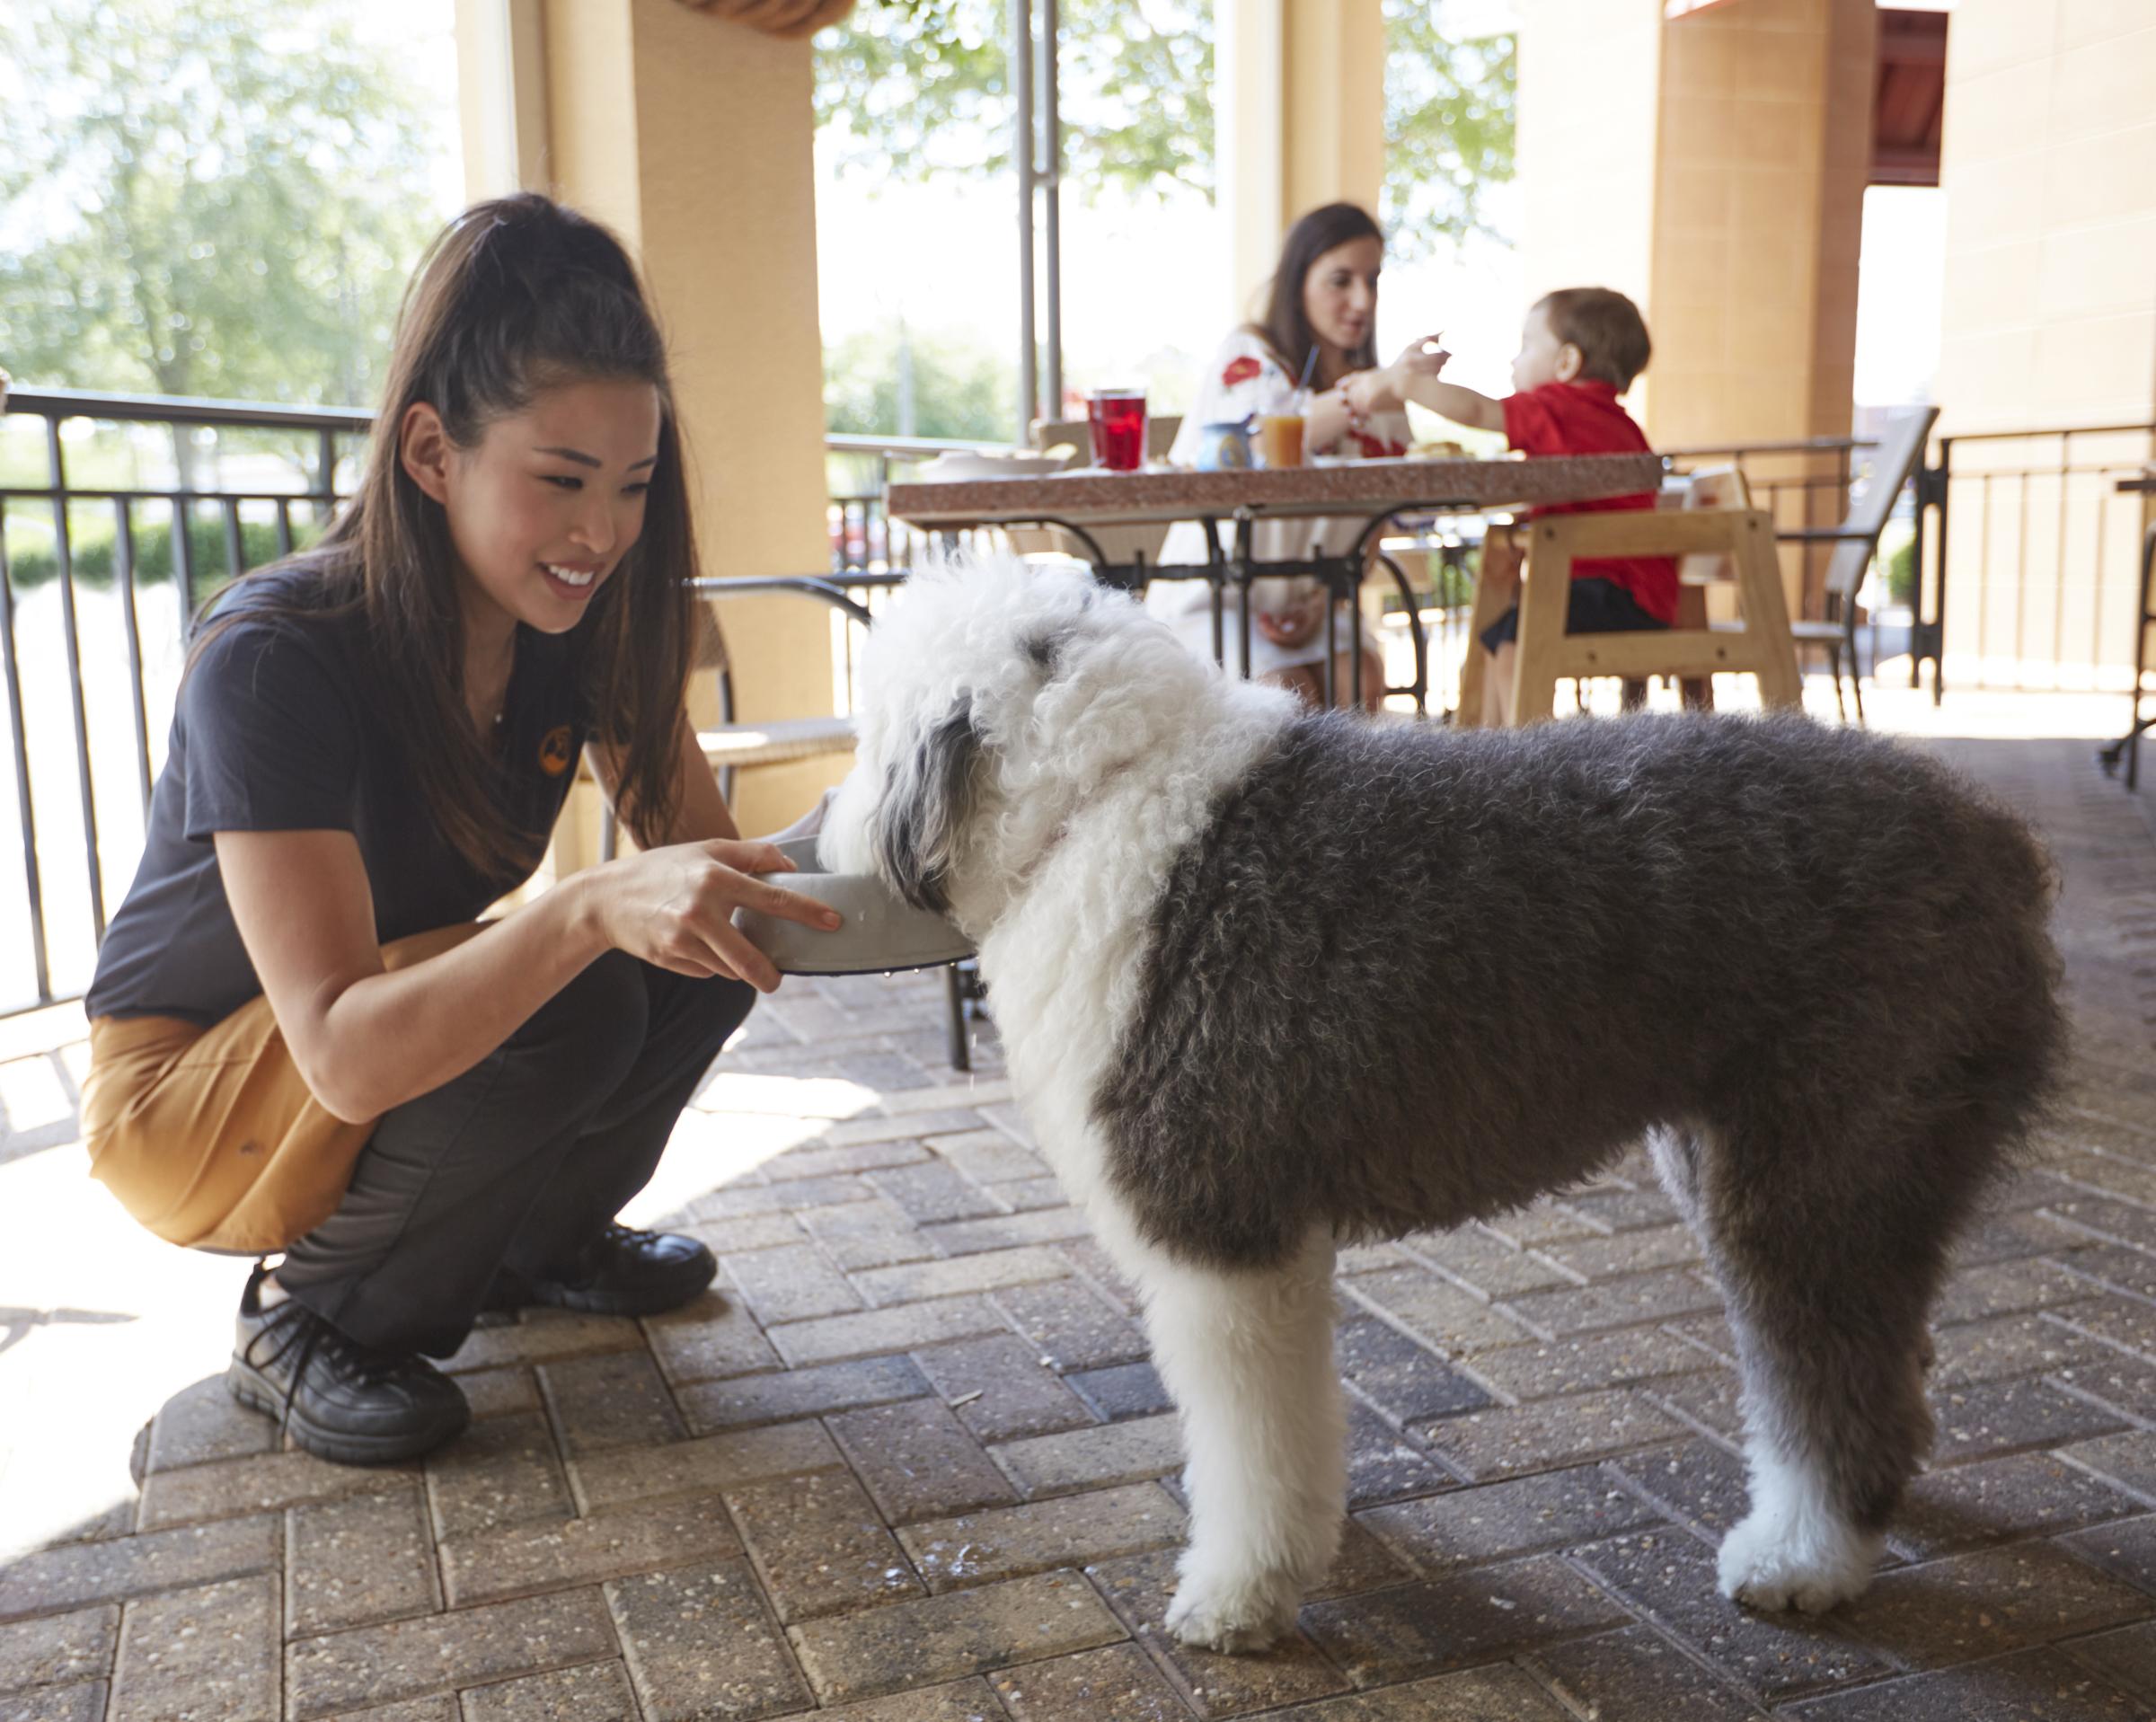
[(339, 1400), (620, 1272)]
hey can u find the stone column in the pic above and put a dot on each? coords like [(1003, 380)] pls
[(1299, 104), (2048, 162), (1712, 166), (1764, 150), (693, 138), (501, 96)]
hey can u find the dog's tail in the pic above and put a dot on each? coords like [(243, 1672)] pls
[(2014, 1068)]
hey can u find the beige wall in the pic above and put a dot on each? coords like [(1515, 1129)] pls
[(1590, 80), (693, 138), (1713, 167), (2049, 319), (1300, 101), (1765, 142), (2049, 167)]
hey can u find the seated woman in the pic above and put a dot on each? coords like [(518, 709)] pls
[(1322, 302), (301, 1038)]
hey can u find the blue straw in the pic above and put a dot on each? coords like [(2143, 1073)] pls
[(1309, 365)]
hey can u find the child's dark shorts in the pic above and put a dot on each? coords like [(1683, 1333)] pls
[(1596, 607)]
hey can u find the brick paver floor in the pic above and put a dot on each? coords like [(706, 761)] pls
[(910, 1465)]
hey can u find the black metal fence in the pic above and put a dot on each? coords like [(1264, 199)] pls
[(863, 536), (184, 496), (2031, 539), (864, 539), (121, 514), (1803, 485)]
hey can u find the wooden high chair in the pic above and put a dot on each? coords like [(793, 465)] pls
[(1758, 644)]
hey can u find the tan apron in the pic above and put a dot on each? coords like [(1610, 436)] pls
[(210, 1136)]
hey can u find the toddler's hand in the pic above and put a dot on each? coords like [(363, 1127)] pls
[(1424, 358)]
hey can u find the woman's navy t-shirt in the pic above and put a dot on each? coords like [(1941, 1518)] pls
[(277, 730)]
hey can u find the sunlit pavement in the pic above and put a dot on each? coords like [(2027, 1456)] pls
[(913, 1460)]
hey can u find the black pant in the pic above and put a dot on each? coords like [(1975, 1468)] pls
[(1593, 606), (516, 1162)]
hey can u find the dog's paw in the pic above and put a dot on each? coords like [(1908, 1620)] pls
[(1768, 1564), (1231, 1614)]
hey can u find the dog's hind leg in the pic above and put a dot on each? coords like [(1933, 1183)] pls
[(1248, 1356), (1828, 1272)]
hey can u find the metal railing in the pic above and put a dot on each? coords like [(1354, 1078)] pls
[(2024, 530), (1804, 485), (863, 536), (120, 516), (101, 532), (102, 572), (2031, 539)]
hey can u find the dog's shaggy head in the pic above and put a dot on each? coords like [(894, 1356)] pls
[(996, 699)]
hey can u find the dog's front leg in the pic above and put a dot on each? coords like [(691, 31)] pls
[(1248, 1356)]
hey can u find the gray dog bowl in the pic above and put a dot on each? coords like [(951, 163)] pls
[(882, 931)]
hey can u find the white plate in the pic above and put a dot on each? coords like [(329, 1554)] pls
[(882, 931), (966, 469)]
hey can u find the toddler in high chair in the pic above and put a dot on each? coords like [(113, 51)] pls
[(1579, 349)]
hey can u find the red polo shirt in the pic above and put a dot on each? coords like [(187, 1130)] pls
[(1583, 418)]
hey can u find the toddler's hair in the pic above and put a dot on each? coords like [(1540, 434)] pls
[(1605, 326)]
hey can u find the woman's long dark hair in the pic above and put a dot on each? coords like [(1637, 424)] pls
[(514, 296), (1286, 325)]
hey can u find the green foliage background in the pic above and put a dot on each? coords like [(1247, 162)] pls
[(911, 88), (226, 199)]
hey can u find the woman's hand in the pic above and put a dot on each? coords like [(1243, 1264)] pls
[(1370, 391), (674, 907)]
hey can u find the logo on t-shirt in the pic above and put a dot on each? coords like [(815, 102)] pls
[(555, 755)]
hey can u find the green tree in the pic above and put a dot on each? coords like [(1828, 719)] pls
[(1449, 114), (205, 197), (915, 87), (911, 88), (887, 381)]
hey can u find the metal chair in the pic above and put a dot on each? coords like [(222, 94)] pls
[(1856, 541)]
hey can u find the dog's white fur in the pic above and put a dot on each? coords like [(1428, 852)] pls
[(1793, 1550), (1084, 792)]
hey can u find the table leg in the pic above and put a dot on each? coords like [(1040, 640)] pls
[(1332, 642), (1216, 581), (1244, 575), (1354, 571)]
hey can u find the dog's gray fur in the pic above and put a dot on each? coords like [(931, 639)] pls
[(1411, 977), (924, 804)]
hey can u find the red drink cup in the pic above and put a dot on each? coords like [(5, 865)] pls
[(1117, 419)]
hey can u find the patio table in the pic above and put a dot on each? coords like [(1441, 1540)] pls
[(2128, 746), (1364, 493)]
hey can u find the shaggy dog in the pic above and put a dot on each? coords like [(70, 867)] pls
[(1269, 981)]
